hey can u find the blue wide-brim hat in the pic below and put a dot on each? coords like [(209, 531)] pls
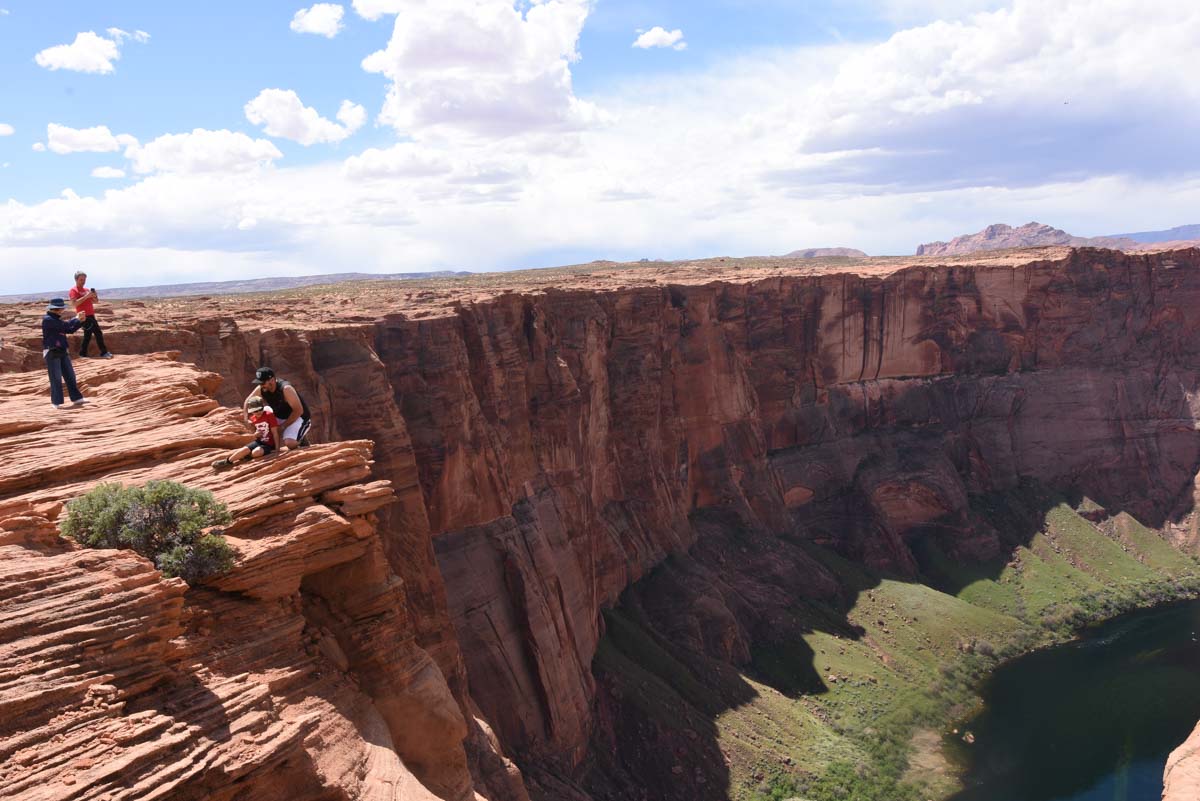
[(57, 304)]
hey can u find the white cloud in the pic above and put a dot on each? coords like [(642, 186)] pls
[(403, 160), (281, 113), (119, 36), (108, 172), (660, 37), (202, 151), (89, 52), (938, 130), (6, 129), (323, 19), (374, 9), (352, 115), (39, 147), (482, 67), (62, 139)]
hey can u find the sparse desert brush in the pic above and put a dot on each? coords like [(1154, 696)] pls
[(174, 526)]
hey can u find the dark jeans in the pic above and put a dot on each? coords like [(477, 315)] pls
[(91, 326), (58, 364)]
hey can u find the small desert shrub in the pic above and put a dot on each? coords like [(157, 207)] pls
[(168, 523)]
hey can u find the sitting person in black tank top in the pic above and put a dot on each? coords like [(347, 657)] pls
[(289, 408)]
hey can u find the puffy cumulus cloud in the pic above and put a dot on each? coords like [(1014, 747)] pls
[(351, 115), (62, 139), (374, 9), (323, 19), (660, 37), (107, 172), (281, 113), (6, 129), (1012, 115), (1035, 93), (90, 52), (202, 151), (482, 67)]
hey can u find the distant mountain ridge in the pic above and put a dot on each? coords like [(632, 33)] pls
[(820, 253), (1176, 234), (1032, 234), (232, 287)]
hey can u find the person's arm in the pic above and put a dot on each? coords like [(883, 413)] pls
[(79, 300), (293, 399), (254, 393)]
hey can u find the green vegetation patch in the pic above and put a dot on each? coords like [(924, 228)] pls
[(174, 526), (849, 703)]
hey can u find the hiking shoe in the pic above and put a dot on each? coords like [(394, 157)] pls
[(80, 402), (105, 355), (83, 356), (57, 405), (222, 464)]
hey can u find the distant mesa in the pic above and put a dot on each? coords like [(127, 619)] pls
[(823, 253), (1033, 234)]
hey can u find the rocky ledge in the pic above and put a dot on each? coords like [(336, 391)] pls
[(293, 676), (1181, 779)]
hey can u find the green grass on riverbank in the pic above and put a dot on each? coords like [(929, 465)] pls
[(851, 704), (959, 625)]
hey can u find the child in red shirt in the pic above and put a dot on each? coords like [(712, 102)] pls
[(266, 436)]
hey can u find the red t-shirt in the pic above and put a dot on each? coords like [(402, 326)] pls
[(88, 308), (263, 422)]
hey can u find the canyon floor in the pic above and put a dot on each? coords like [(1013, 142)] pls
[(717, 529)]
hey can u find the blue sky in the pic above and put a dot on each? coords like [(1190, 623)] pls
[(393, 135)]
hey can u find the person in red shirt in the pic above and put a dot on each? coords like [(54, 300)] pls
[(84, 300), (266, 436)]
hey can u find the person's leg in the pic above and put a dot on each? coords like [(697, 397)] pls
[(68, 371), (99, 336), (236, 455), (87, 337), (293, 434), (54, 368)]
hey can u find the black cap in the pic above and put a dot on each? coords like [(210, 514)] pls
[(263, 374)]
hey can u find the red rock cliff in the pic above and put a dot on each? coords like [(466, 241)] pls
[(549, 447)]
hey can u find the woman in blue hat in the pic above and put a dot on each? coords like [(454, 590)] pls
[(54, 351)]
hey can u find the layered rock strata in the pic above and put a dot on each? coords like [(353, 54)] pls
[(296, 675), (552, 446)]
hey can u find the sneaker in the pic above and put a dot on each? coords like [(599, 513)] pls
[(105, 355), (57, 405), (222, 464), (80, 402)]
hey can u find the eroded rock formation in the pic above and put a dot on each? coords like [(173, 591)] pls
[(1032, 234), (294, 676), (1181, 779), (551, 444)]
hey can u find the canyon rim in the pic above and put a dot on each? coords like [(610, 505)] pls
[(667, 531)]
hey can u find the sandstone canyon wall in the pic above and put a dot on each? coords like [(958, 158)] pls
[(673, 446)]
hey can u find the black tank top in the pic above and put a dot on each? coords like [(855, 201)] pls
[(279, 404)]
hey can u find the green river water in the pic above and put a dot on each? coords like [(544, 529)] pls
[(1093, 720)]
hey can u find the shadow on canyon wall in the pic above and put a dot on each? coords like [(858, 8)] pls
[(680, 643)]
